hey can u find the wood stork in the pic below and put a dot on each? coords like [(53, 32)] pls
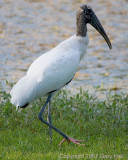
[(56, 68)]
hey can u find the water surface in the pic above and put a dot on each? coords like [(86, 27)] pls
[(29, 28)]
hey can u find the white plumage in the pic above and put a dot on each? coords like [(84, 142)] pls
[(51, 71)]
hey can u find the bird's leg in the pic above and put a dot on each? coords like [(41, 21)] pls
[(49, 120), (69, 139), (47, 123)]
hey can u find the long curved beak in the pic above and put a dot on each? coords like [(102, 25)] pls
[(97, 25)]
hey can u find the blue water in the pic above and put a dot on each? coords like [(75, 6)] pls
[(29, 28)]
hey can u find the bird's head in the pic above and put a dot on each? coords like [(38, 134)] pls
[(88, 16)]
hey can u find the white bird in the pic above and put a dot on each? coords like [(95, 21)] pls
[(56, 68)]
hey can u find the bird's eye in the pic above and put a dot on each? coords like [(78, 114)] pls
[(89, 10)]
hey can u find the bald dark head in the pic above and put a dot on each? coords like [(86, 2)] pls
[(86, 8), (85, 15)]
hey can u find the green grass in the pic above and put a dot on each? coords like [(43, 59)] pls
[(104, 124)]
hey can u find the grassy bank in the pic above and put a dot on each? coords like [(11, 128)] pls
[(103, 124)]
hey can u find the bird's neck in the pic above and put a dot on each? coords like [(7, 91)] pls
[(81, 31), (81, 26)]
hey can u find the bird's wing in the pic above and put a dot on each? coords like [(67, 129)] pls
[(47, 73), (54, 69)]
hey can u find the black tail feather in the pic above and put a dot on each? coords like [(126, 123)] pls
[(23, 106)]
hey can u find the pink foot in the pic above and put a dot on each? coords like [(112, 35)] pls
[(72, 140)]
